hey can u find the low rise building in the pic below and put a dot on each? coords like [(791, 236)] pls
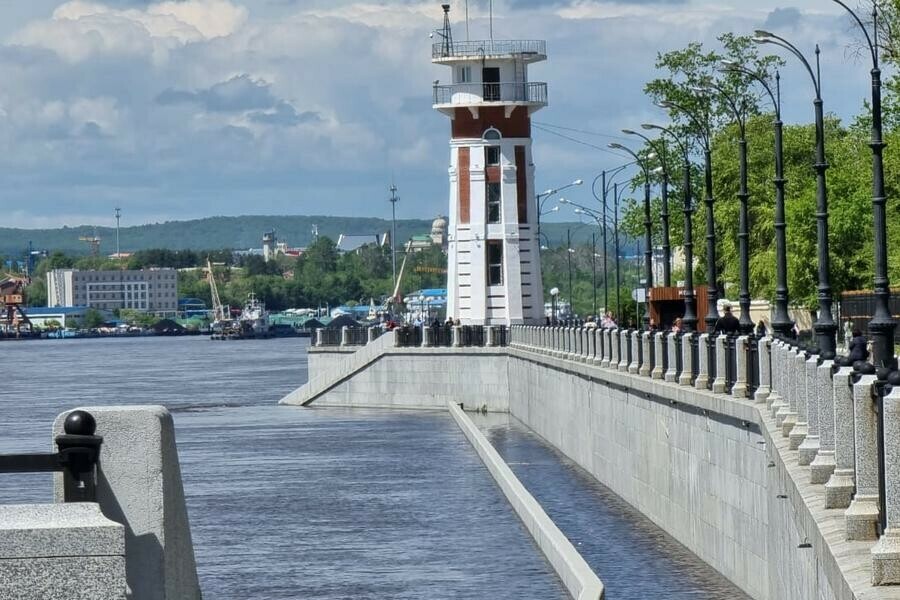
[(149, 290)]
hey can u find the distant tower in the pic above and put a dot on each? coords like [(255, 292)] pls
[(268, 245), (494, 268)]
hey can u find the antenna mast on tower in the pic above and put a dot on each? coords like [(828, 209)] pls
[(447, 34)]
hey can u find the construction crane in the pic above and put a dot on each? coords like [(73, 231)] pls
[(219, 315), (93, 241)]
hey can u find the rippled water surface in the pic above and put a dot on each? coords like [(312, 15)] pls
[(635, 559), (287, 502)]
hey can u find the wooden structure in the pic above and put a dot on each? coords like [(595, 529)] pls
[(667, 304)]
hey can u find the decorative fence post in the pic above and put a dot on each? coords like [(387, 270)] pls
[(657, 371), (809, 447), (687, 360), (886, 553), (671, 374), (702, 381), (841, 485), (862, 515), (822, 465), (742, 360), (765, 369), (718, 384)]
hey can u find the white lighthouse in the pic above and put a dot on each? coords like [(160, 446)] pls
[(494, 265)]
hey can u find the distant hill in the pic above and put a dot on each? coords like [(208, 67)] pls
[(231, 232)]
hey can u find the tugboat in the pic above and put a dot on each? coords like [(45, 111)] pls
[(254, 320)]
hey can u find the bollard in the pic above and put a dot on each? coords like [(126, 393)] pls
[(742, 359), (719, 383), (841, 485), (671, 374), (687, 359), (615, 347), (640, 353), (806, 386), (657, 371), (370, 335), (789, 377), (809, 447), (886, 553), (489, 335), (607, 347), (765, 370), (345, 336), (702, 380), (776, 400), (624, 350), (320, 336), (823, 464), (862, 515)]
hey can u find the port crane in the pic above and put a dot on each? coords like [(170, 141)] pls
[(219, 315), (93, 241)]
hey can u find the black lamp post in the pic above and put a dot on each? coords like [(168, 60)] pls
[(781, 322), (740, 117), (569, 252), (825, 326), (882, 325), (689, 320), (712, 291), (541, 198), (660, 151), (606, 178), (648, 230)]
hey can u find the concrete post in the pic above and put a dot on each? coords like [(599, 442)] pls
[(809, 447), (886, 553), (427, 337), (623, 351), (640, 359), (742, 355), (840, 487), (597, 357), (370, 335), (570, 343), (139, 485), (764, 354), (807, 386), (587, 336), (671, 374), (687, 359), (776, 400), (718, 385), (822, 465), (614, 349), (607, 348), (345, 336), (862, 515), (457, 336), (490, 333), (320, 336), (702, 363), (578, 345), (786, 416), (657, 372)]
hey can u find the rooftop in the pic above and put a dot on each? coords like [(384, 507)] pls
[(528, 50)]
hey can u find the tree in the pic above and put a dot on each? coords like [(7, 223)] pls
[(92, 319)]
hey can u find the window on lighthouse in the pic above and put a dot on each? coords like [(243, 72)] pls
[(495, 262), (492, 156), (492, 193)]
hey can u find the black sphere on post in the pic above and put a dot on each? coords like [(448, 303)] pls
[(824, 326), (80, 422), (882, 325)]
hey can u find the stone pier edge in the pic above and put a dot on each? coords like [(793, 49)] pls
[(577, 576)]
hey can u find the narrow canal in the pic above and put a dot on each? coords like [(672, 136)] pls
[(292, 503), (634, 558)]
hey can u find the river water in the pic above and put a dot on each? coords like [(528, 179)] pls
[(290, 503)]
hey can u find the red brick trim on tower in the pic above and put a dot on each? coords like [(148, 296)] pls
[(465, 185), (465, 126), (521, 184)]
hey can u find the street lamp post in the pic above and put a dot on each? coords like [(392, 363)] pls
[(393, 200), (882, 325), (781, 321), (554, 295), (740, 116), (648, 229), (660, 151), (607, 177), (712, 293), (569, 252), (689, 320), (544, 196), (824, 326), (594, 271)]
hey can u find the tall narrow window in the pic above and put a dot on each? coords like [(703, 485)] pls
[(495, 262), (492, 193), (492, 156), (464, 74)]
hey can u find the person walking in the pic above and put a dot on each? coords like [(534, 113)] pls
[(727, 323), (761, 330), (858, 348)]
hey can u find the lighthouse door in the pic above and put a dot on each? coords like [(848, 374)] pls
[(491, 78)]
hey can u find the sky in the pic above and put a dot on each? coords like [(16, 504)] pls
[(189, 108)]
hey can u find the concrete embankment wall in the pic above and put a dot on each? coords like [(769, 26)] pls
[(581, 582), (421, 378)]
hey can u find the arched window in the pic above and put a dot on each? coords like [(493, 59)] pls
[(491, 135)]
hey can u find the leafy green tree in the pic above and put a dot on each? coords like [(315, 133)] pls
[(92, 319)]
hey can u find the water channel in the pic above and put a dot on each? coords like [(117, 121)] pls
[(318, 503)]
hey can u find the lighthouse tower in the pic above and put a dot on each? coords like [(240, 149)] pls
[(494, 265)]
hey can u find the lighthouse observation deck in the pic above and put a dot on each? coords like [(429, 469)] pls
[(526, 93), (526, 50)]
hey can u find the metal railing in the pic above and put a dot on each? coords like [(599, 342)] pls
[(79, 450), (328, 337), (357, 336), (486, 48), (464, 94)]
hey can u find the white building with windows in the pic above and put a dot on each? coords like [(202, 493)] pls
[(149, 290), (494, 270)]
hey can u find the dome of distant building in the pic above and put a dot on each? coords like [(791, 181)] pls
[(439, 226)]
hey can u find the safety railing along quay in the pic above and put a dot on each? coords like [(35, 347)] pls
[(448, 336), (835, 413)]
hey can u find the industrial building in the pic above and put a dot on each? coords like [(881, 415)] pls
[(149, 290)]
